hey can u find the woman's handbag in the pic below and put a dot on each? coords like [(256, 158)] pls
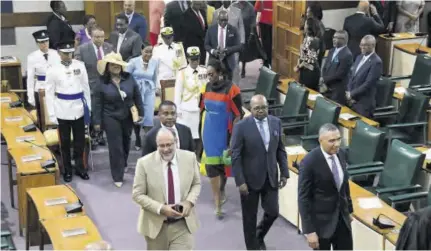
[(135, 113)]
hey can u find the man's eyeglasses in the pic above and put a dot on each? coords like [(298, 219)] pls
[(260, 108)]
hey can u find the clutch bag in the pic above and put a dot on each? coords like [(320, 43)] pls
[(135, 113)]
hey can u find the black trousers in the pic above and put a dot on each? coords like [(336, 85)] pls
[(249, 207), (95, 136), (341, 239), (77, 127), (38, 109), (118, 133), (266, 36)]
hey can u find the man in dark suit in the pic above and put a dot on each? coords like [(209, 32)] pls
[(256, 150), (360, 24), (137, 22), (125, 41), (194, 28), (324, 199), (168, 119), (336, 69), (366, 71), (174, 17), (222, 42), (387, 11), (57, 25)]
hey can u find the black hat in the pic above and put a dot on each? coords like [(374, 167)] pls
[(41, 36), (66, 46)]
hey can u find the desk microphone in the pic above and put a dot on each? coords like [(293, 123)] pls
[(15, 104), (295, 163), (384, 224), (418, 50), (28, 128), (47, 164)]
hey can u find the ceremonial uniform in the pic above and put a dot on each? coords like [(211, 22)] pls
[(171, 57), (38, 63), (187, 93), (69, 103)]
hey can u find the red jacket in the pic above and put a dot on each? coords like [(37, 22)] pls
[(265, 7)]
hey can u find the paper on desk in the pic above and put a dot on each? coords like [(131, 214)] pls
[(13, 119), (428, 154), (25, 138), (8, 59), (5, 99), (314, 96), (32, 157), (347, 116), (400, 90), (370, 202), (295, 150)]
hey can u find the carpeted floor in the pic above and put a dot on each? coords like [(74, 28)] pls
[(115, 214)]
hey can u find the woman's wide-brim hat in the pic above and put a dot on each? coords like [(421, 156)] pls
[(112, 58)]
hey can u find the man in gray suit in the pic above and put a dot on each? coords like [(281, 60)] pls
[(90, 53), (235, 19), (125, 41)]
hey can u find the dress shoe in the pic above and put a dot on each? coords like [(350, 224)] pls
[(118, 184), (67, 177), (101, 141), (83, 176)]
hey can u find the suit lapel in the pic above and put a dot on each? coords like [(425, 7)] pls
[(181, 139), (92, 51), (159, 169), (271, 129), (365, 65), (182, 173), (341, 158)]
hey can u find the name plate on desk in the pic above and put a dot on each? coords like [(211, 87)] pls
[(56, 201), (73, 232), (295, 150), (314, 96), (25, 138), (348, 116), (13, 119), (5, 100), (29, 158), (400, 90)]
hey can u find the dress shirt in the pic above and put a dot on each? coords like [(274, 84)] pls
[(96, 50), (177, 136), (224, 37), (336, 51), (337, 162), (176, 177), (120, 41), (265, 128), (363, 60), (130, 17)]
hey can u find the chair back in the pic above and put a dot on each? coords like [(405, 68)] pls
[(366, 145), (413, 108), (385, 92), (402, 165), (421, 75), (324, 112), (267, 83), (296, 100)]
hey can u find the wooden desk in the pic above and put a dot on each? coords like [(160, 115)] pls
[(11, 134), (348, 125), (11, 71), (391, 241), (404, 60), (385, 47), (37, 209), (7, 112), (29, 175), (54, 228), (6, 98)]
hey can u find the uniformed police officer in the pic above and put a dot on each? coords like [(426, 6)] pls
[(69, 104), (38, 63), (187, 92), (170, 55)]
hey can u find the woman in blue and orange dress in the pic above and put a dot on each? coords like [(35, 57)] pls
[(221, 108)]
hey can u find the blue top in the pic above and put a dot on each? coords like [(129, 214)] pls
[(136, 67)]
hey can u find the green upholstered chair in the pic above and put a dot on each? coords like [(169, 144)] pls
[(324, 112), (411, 197), (7, 241), (266, 85), (295, 104), (366, 146), (398, 174), (410, 120), (421, 75), (385, 93)]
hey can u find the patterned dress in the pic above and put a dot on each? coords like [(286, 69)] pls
[(220, 103)]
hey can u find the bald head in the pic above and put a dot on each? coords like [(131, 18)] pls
[(363, 6), (223, 18), (165, 133), (166, 143), (368, 44), (129, 6), (259, 107)]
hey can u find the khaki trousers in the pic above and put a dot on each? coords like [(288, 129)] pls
[(172, 236)]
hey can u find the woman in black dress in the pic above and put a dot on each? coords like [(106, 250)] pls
[(308, 62)]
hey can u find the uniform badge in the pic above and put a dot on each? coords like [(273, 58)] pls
[(178, 52), (76, 71), (201, 76)]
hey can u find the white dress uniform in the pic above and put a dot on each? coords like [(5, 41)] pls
[(187, 93), (67, 80), (171, 59), (37, 67)]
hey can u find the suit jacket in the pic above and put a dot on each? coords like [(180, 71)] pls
[(320, 202), (149, 190), (174, 18), (87, 54), (335, 73), (232, 43), (363, 84), (185, 135), (387, 12), (251, 162), (131, 46), (416, 231), (139, 25), (357, 26), (58, 30), (235, 19), (192, 31)]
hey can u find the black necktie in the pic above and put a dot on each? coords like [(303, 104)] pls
[(170, 47), (45, 56), (195, 71)]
